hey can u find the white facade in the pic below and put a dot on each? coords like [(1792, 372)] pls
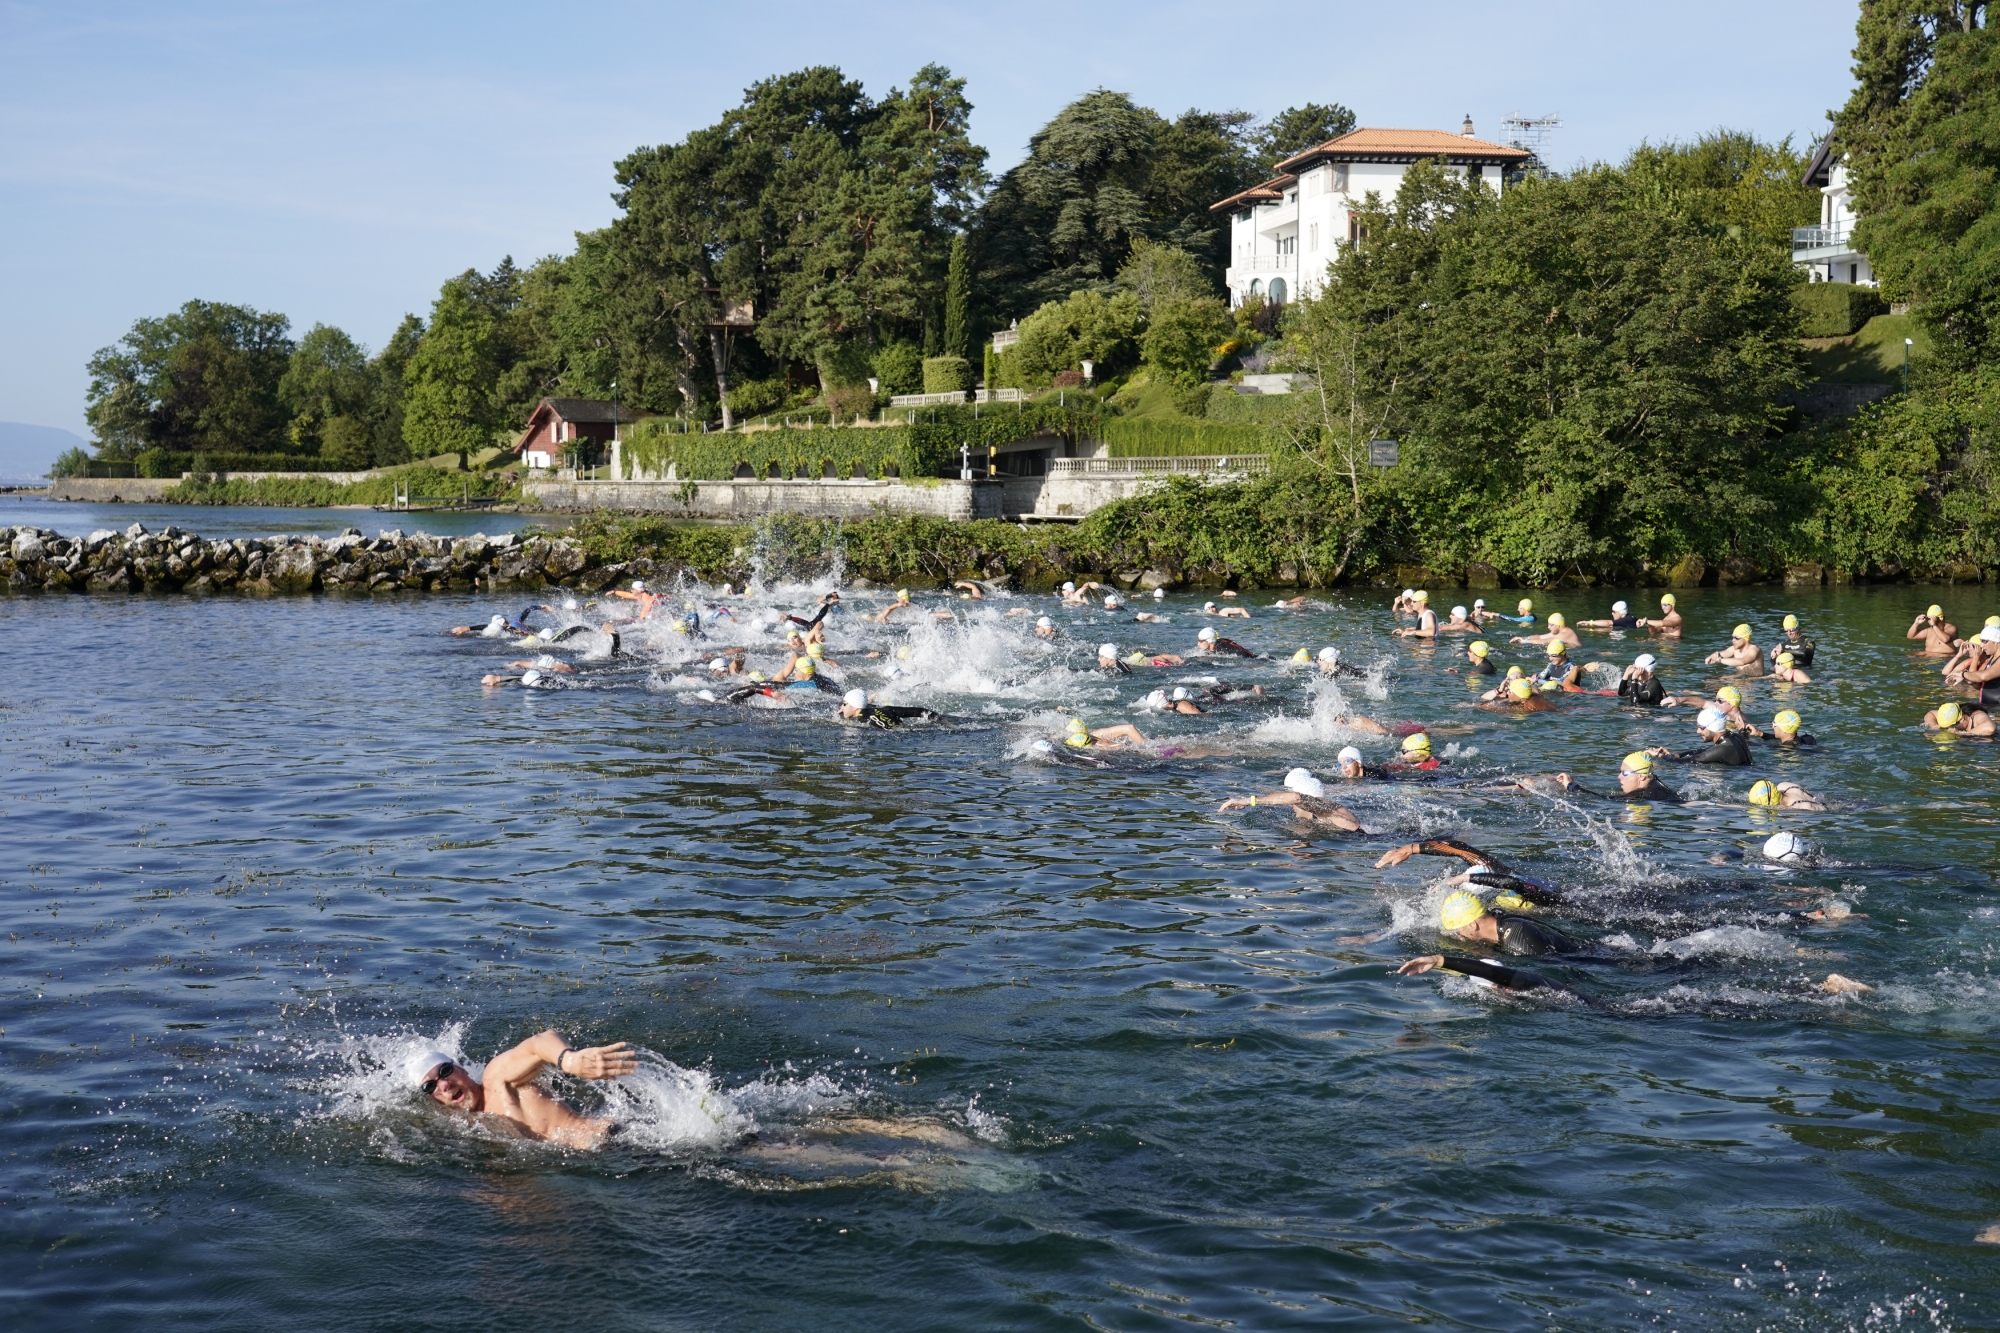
[(1826, 252), (1285, 232)]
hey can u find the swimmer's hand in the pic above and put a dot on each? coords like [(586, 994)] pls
[(1416, 967), (599, 1062), (1399, 855)]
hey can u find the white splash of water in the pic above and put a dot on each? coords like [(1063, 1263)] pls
[(1725, 942)]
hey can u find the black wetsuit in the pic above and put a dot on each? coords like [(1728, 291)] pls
[(1625, 622), (1527, 937), (1654, 790), (1648, 692), (1230, 646), (568, 631), (1801, 739), (818, 616), (1507, 978), (1733, 749), (1480, 666), (1802, 651), (888, 716), (1113, 669)]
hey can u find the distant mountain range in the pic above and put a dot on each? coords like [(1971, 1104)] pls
[(27, 452)]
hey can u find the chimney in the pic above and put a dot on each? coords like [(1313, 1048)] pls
[(1465, 130)]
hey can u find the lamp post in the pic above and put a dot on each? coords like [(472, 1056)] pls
[(1907, 343)]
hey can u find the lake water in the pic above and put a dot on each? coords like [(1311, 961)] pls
[(75, 518), (942, 1035)]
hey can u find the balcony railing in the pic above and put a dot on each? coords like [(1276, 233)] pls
[(1135, 467), (1266, 264), (1821, 238)]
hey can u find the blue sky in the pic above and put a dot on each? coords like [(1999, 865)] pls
[(337, 161)]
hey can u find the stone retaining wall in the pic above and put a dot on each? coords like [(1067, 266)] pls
[(112, 490), (741, 501)]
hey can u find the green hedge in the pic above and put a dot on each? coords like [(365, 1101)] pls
[(1168, 437), (925, 444), (314, 492), (947, 374), (1835, 309)]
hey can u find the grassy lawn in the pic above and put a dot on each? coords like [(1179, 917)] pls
[(1872, 355)]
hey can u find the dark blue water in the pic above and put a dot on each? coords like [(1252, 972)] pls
[(942, 1035)]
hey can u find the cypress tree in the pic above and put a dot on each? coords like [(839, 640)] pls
[(958, 300)]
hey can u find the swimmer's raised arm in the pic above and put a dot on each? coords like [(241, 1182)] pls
[(522, 1064)]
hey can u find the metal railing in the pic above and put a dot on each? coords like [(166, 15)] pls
[(1266, 264), (1190, 465), (1820, 238)]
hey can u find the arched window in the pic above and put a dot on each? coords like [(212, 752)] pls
[(1256, 286), (1277, 291)]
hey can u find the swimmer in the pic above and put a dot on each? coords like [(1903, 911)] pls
[(1789, 849), (497, 628), (902, 603), (815, 628), (1741, 652), (1140, 657), (1520, 696), (508, 1089), (1784, 796), (1639, 685), (1177, 702), (1108, 663), (1479, 659), (645, 600), (1668, 622), (1405, 603), (1464, 916), (854, 707), (1285, 604), (1982, 666), (1227, 612), (1937, 633), (1500, 691), (1788, 669), (1113, 602), (1306, 795), (1078, 735), (1560, 673), (545, 663), (1480, 614), (1785, 730), (1801, 647), (1461, 622), (1954, 719), (1208, 642), (1621, 618), (1044, 628), (1329, 664), (1558, 632), (729, 664), (1417, 753), (1427, 621), (1526, 613), (1636, 782), (1075, 596), (970, 589), (1728, 701), (1352, 768), (1719, 744)]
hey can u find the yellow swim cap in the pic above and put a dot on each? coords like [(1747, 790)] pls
[(1740, 632), (1417, 743), (804, 669), (757, 676), (1513, 673), (1786, 659), (1460, 910), (1077, 738), (1556, 620), (1786, 721), (1791, 622), (1524, 606), (1993, 620), (1730, 695), (1509, 901), (1420, 596), (1667, 599), (1521, 688), (1302, 656), (1480, 648), (1637, 762), (815, 651), (1765, 793), (903, 652), (1557, 647), (1949, 714), (1934, 610)]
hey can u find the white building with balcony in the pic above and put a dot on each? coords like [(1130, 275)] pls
[(1285, 232), (1826, 252)]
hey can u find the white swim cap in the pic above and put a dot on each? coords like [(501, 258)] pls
[(569, 603), (418, 1067), (1180, 693), (1644, 661), (1409, 593), (1157, 699), (1618, 608), (1069, 587), (1109, 650), (718, 665), (497, 620), (530, 676), (1329, 655), (1159, 594), (1991, 634), (1205, 635), (1785, 847), (1458, 613), (1113, 600), (1708, 719), (707, 696), (638, 585), (1304, 783), (855, 698), (1478, 602), (1044, 622), (1349, 755), (1042, 747), (895, 671)]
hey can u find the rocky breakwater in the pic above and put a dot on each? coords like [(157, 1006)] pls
[(135, 560)]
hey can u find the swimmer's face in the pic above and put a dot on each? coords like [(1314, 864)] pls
[(1351, 769), (849, 711), (1633, 781), (457, 1090)]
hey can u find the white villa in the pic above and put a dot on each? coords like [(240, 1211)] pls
[(1827, 252), (1285, 232)]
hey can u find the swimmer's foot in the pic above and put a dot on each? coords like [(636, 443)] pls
[(1836, 984)]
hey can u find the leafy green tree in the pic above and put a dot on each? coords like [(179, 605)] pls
[(1160, 273), (1181, 342), (326, 379), (1921, 133), (383, 412), (449, 404), (958, 299), (203, 378), (70, 462), (1198, 158), (1089, 326), (1296, 129), (1730, 179), (900, 367)]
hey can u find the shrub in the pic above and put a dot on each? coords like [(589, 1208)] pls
[(156, 463), (1087, 327), (900, 367), (748, 398), (1164, 437), (1181, 339), (947, 374), (72, 462), (846, 402), (1835, 309), (346, 444)]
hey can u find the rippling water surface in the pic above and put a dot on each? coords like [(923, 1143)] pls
[(940, 1034)]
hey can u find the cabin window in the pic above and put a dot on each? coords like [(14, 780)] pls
[(1340, 179), (1315, 236)]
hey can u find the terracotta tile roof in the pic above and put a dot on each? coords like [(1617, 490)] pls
[(1406, 146), (1270, 191)]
